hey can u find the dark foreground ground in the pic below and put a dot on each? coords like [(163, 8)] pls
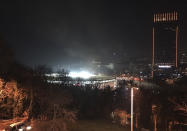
[(80, 125), (98, 125)]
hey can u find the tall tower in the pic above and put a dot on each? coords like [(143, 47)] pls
[(165, 40)]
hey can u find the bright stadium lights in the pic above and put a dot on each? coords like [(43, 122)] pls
[(164, 66), (82, 74)]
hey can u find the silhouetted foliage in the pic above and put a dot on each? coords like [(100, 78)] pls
[(6, 58)]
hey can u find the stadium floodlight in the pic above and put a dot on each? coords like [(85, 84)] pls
[(82, 74), (164, 66)]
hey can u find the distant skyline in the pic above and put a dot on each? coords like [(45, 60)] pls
[(75, 34)]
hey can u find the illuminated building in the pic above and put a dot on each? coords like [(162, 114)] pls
[(183, 56), (165, 40), (183, 61)]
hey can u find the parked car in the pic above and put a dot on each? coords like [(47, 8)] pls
[(19, 126)]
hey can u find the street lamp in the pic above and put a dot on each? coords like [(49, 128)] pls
[(132, 109), (132, 96)]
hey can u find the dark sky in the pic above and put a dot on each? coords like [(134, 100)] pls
[(77, 33)]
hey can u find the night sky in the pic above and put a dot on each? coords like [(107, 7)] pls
[(77, 34)]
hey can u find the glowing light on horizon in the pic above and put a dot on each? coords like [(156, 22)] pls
[(82, 74)]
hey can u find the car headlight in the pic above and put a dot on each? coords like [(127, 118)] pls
[(28, 128)]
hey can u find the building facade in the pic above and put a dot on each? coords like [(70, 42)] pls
[(165, 41)]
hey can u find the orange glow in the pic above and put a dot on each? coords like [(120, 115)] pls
[(177, 31), (159, 17), (175, 16), (154, 18), (172, 16), (153, 47), (164, 16)]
